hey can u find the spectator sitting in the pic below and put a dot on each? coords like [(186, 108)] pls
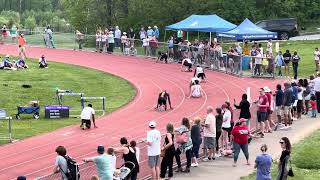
[(133, 51), (20, 64), (43, 62), (6, 64)]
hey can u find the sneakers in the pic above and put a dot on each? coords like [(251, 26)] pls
[(194, 165), (205, 159), (218, 154)]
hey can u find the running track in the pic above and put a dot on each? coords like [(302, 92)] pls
[(35, 156)]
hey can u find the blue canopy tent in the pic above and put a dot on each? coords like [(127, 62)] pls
[(248, 31), (202, 23)]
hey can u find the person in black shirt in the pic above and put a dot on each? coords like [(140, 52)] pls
[(279, 101), (219, 121), (162, 100), (196, 140), (286, 59), (295, 62), (287, 102), (244, 107), (284, 159)]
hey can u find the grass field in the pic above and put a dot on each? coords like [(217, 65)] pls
[(117, 91), (305, 160)]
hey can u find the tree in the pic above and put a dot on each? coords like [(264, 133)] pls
[(30, 23)]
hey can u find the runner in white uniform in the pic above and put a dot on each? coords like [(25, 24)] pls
[(186, 63), (199, 72), (196, 90)]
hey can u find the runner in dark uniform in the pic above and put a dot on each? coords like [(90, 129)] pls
[(162, 100)]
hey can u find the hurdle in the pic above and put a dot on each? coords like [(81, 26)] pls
[(95, 98), (60, 93)]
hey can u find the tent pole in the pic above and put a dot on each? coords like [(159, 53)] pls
[(188, 36), (198, 35), (165, 34), (210, 39)]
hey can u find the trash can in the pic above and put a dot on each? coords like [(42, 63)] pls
[(245, 63)]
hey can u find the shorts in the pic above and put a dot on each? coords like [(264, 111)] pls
[(261, 116), (153, 161), (162, 101), (286, 110), (278, 110), (187, 64), (201, 75), (227, 129), (87, 123), (286, 62), (22, 49), (209, 142)]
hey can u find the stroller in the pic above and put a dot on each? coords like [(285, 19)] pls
[(33, 108), (123, 172)]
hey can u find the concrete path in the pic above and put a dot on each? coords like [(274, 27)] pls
[(222, 168), (306, 37)]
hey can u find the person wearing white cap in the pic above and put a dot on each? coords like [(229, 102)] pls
[(117, 36), (270, 109), (124, 42), (150, 32), (6, 64), (154, 150), (156, 32), (110, 42)]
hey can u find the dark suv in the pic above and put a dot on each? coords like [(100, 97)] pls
[(286, 28)]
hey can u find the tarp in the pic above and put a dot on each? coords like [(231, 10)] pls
[(247, 30), (202, 23)]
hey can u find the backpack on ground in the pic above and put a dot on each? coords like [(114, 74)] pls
[(73, 169)]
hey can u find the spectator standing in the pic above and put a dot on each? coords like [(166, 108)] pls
[(4, 33), (226, 126), (258, 62), (287, 102), (110, 42), (240, 134), (153, 142), (124, 42), (156, 32), (263, 105), (263, 164), (79, 39), (295, 63), (279, 62), (186, 147), (103, 164), (316, 58), (269, 46), (168, 147), (145, 45), (209, 135), (196, 140), (244, 107), (132, 36), (22, 43), (150, 32), (61, 162), (117, 36), (219, 121), (306, 95), (316, 89), (14, 33), (98, 40), (269, 121), (153, 44), (142, 34), (287, 59), (279, 103), (284, 159), (129, 155), (253, 53)]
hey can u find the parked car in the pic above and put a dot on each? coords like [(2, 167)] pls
[(286, 27)]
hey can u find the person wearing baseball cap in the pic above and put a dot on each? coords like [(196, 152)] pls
[(103, 163), (154, 149), (156, 32), (6, 64), (240, 134), (150, 32)]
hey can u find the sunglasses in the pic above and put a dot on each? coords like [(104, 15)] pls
[(281, 142)]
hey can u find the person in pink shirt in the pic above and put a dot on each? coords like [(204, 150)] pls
[(263, 105)]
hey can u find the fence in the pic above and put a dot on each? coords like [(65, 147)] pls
[(7, 125)]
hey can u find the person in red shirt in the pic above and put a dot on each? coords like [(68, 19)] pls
[(240, 135), (269, 121), (263, 105)]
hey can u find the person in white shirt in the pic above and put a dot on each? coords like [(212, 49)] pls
[(316, 58), (154, 150), (209, 134), (86, 115), (195, 91), (98, 40), (199, 72), (316, 89), (186, 63), (258, 63), (269, 46), (226, 126), (117, 37), (145, 45)]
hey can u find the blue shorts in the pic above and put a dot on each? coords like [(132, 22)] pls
[(261, 116)]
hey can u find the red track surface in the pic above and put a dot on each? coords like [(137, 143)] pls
[(35, 156)]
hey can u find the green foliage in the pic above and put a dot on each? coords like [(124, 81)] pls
[(12, 17), (30, 23)]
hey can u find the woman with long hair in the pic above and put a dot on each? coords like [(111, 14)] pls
[(185, 147), (196, 140), (168, 147), (283, 168)]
